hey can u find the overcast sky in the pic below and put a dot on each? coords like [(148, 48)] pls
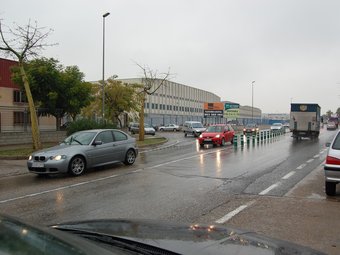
[(290, 48)]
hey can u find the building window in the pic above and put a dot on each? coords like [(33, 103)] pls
[(19, 97), (20, 118)]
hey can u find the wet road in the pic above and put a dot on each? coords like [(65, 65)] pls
[(182, 182)]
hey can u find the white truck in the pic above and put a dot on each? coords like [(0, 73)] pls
[(305, 120)]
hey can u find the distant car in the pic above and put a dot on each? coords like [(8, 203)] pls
[(332, 166), (148, 130), (218, 134), (83, 150), (194, 128), (277, 127), (251, 129), (331, 125), (169, 127)]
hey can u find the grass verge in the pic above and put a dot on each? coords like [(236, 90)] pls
[(23, 151)]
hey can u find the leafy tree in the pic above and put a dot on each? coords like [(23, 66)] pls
[(22, 43), (119, 98), (338, 111), (329, 113), (58, 90)]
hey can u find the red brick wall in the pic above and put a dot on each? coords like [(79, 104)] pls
[(5, 73)]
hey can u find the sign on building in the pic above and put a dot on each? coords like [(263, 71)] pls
[(231, 111), (213, 109)]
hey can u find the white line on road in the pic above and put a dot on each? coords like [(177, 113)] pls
[(310, 160), (233, 213), (288, 175), (57, 189), (316, 156), (269, 188), (301, 166)]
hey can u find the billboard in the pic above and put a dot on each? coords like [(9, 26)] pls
[(213, 109), (231, 111)]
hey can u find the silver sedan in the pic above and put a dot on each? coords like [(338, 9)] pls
[(83, 150), (169, 127)]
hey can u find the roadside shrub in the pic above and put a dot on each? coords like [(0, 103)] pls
[(86, 124)]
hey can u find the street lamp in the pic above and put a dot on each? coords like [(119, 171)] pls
[(103, 93), (252, 101)]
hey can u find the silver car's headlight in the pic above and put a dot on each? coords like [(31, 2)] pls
[(58, 157), (30, 157)]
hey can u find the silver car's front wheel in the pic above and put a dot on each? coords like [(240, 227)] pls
[(77, 166), (130, 157)]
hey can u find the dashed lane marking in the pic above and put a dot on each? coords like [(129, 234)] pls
[(301, 166), (310, 160), (269, 188), (234, 213), (287, 176)]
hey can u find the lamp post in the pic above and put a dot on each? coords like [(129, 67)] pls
[(252, 101), (103, 78)]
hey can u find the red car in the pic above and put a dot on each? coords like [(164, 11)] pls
[(217, 134)]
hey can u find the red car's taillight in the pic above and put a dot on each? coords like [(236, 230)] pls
[(332, 161)]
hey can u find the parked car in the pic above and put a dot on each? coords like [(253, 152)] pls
[(277, 127), (169, 127), (331, 125), (194, 128), (83, 150), (126, 236), (332, 166), (218, 134), (251, 129), (148, 130)]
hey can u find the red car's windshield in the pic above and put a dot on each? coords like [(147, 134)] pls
[(215, 129)]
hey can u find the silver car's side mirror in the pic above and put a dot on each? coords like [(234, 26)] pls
[(95, 143)]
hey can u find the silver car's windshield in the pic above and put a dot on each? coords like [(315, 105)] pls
[(197, 125), (81, 138)]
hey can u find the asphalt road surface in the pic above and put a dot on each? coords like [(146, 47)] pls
[(274, 187)]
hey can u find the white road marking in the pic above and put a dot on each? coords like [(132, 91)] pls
[(301, 166), (310, 160), (316, 156), (57, 189), (233, 213), (269, 188), (288, 175)]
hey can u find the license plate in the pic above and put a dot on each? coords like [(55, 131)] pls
[(38, 164), (207, 140)]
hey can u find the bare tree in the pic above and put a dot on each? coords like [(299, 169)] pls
[(25, 42), (151, 82)]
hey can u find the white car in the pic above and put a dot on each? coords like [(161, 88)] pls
[(169, 127), (277, 127), (332, 166)]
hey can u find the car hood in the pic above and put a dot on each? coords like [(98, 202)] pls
[(149, 129), (59, 149), (186, 238), (210, 134)]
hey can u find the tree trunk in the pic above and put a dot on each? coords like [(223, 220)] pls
[(141, 120), (34, 118)]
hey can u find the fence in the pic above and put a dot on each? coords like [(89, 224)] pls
[(17, 119)]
